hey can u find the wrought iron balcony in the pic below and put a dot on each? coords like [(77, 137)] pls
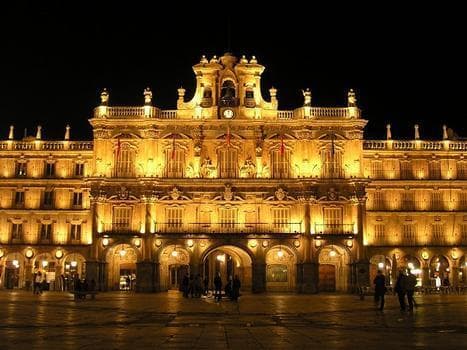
[(118, 228), (334, 229), (229, 228)]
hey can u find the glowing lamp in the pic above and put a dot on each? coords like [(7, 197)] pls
[(29, 253), (318, 243), (174, 253), (74, 263), (137, 242), (296, 243), (105, 242), (253, 243), (122, 252), (15, 263), (410, 266), (190, 243), (454, 254), (380, 265), (280, 253), (59, 253), (221, 257), (265, 244), (332, 253), (425, 255), (158, 242), (349, 243), (45, 263)]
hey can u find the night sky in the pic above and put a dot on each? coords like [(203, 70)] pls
[(407, 64)]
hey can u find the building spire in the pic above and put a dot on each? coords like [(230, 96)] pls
[(11, 133), (67, 133), (388, 132), (445, 132), (417, 132), (39, 132)]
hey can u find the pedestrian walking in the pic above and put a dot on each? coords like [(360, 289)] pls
[(185, 285), (410, 288), (37, 283), (380, 289), (401, 289), (236, 284)]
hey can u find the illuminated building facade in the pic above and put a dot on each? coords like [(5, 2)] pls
[(291, 200)]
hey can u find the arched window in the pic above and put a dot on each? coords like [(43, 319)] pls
[(174, 162), (206, 101), (331, 163), (125, 164), (280, 163), (228, 94), (227, 162)]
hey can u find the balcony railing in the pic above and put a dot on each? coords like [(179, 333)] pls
[(237, 228), (121, 228), (334, 229)]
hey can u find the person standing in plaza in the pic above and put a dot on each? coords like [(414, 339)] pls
[(218, 287), (380, 289), (236, 288), (37, 283), (410, 287), (401, 289)]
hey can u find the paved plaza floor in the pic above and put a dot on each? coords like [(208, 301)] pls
[(267, 321)]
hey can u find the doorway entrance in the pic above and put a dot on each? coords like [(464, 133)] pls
[(176, 274), (334, 270), (121, 260)]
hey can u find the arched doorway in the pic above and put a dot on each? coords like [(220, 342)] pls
[(45, 264), (439, 271), (280, 269), (14, 274), (383, 263), (229, 261), (462, 271), (174, 264), (121, 262), (74, 266), (333, 269)]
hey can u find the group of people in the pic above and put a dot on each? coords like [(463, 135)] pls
[(193, 286), (404, 287), (38, 283)]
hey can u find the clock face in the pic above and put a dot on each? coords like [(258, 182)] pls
[(228, 113)]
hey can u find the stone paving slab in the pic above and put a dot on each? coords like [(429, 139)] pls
[(270, 321)]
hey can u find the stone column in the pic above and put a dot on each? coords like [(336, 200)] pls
[(28, 274), (455, 275), (259, 277), (425, 275), (145, 272), (58, 277), (97, 271)]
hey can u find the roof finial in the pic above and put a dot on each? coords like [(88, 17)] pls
[(417, 133), (11, 133), (388, 132), (445, 132), (307, 97), (147, 96), (39, 132), (67, 133)]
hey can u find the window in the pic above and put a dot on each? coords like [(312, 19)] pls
[(435, 170), (280, 164), (75, 232), (174, 162), (380, 233), (21, 169), (79, 169), (174, 217), (463, 229), (228, 94), (437, 233), (228, 162), (462, 170), (17, 232), (227, 217), (408, 233), (408, 200), (436, 201), (121, 219), (406, 170), (46, 232), (250, 219), (378, 200), (49, 169), (125, 162), (463, 200), (281, 218), (48, 198), (205, 219), (19, 198), (331, 163), (276, 273), (332, 220), (377, 170), (77, 199)]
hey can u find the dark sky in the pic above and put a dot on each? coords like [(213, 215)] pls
[(407, 63)]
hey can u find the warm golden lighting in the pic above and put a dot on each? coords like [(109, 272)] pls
[(2, 253), (74, 263), (253, 243), (280, 253), (122, 252), (174, 253), (425, 255), (221, 257), (105, 242), (59, 253), (137, 242), (15, 263), (265, 244), (158, 242), (381, 265), (349, 243), (332, 254), (190, 243), (317, 243), (29, 253), (454, 254), (45, 263), (296, 243)]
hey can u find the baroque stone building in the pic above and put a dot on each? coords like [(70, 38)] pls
[(292, 200)]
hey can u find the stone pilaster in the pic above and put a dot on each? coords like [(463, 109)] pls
[(259, 277)]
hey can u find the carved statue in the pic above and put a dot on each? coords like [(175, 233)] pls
[(104, 97), (280, 194), (307, 96), (351, 99), (228, 195), (248, 169), (147, 96), (207, 168)]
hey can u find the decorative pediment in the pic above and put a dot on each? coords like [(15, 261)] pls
[(281, 195), (175, 195), (228, 195)]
